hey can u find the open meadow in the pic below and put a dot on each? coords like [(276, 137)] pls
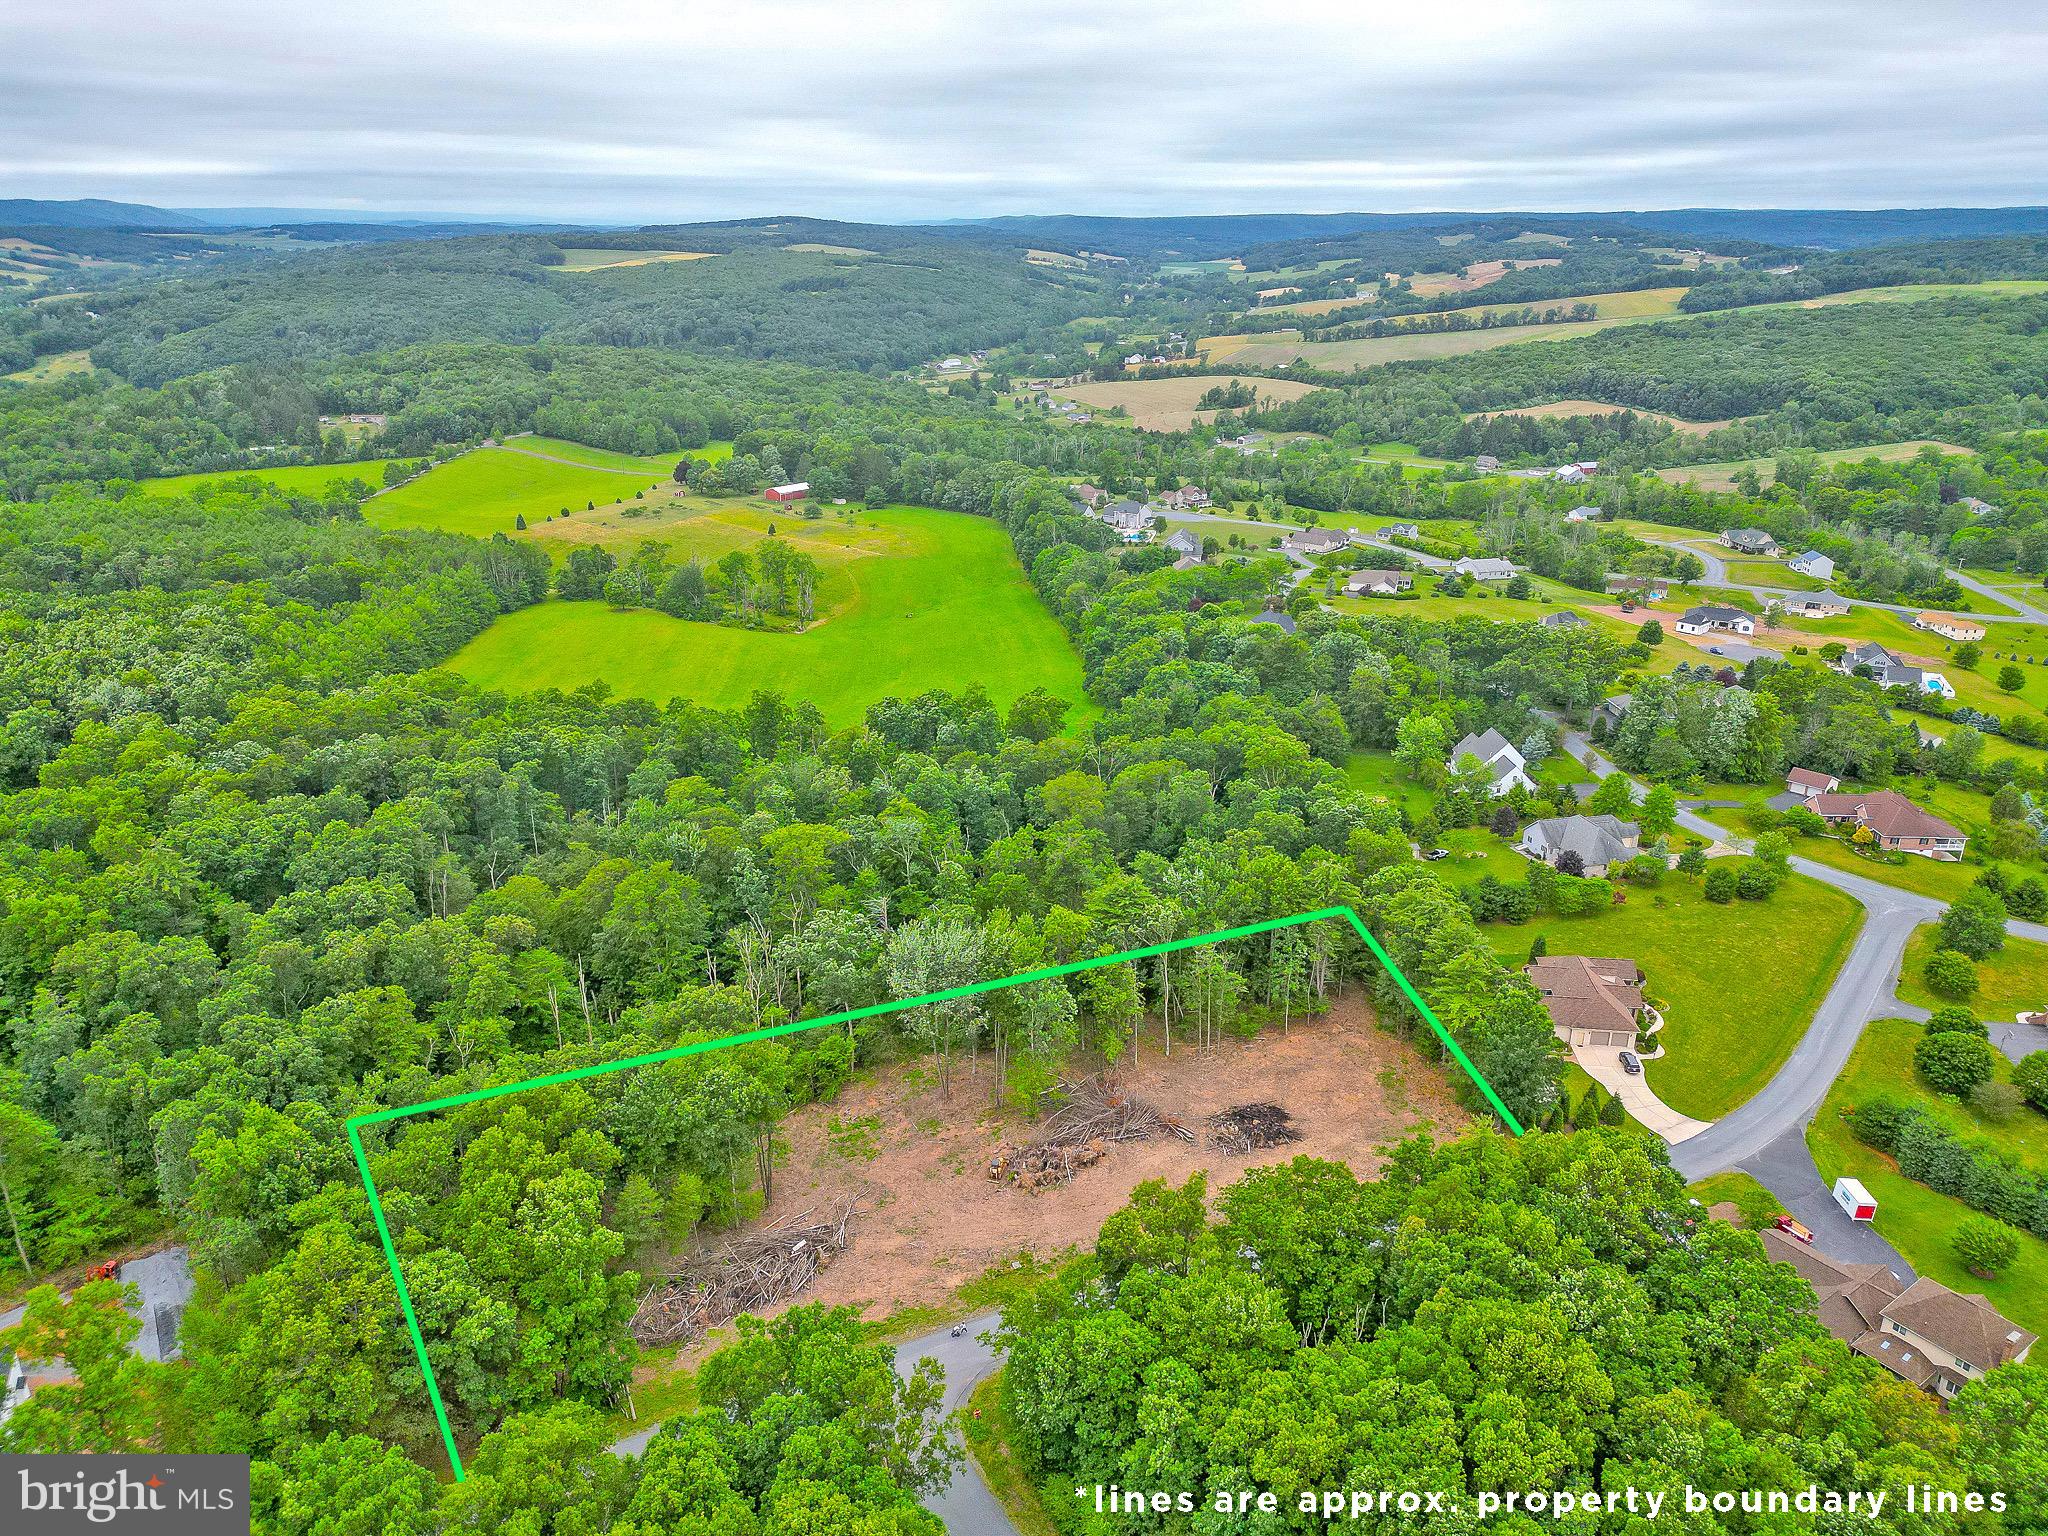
[(1168, 405), (487, 491), (942, 603), (1371, 351), (1569, 408), (592, 259), (288, 477), (1721, 476)]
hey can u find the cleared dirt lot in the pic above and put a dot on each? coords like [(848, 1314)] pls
[(1168, 405), (1432, 285), (930, 1218)]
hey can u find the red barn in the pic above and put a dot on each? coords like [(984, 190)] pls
[(793, 492)]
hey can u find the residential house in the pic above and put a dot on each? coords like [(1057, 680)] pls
[(1571, 474), (1564, 618), (1185, 499), (1490, 568), (1896, 822), (1315, 541), (1815, 564), (1400, 531), (1643, 589), (1130, 521), (1276, 616), (1505, 766), (1808, 782), (1709, 617), (1585, 514), (1925, 1333), (1816, 607), (1599, 841), (1613, 707), (1750, 541), (1592, 1002), (1090, 496), (1948, 626), (1182, 542), (796, 490), (1188, 563), (1890, 671), (1377, 583), (1486, 463), (1977, 507)]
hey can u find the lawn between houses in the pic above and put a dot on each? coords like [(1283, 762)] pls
[(1916, 1220), (1725, 1035), (945, 607)]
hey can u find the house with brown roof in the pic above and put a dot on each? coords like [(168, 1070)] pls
[(1894, 821), (1924, 1333), (1808, 782), (1591, 1001), (1948, 626)]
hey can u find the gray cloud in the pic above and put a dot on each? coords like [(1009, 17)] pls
[(644, 110)]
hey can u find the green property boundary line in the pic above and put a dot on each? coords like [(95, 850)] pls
[(356, 1123)]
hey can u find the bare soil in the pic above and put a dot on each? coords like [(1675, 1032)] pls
[(931, 1219)]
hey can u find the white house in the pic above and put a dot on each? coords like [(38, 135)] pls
[(1816, 607), (1497, 755), (1709, 617), (1585, 514), (1491, 568), (1948, 626), (1815, 564)]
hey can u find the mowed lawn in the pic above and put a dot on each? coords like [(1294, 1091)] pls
[(2012, 981), (489, 490), (1724, 1035), (290, 477), (948, 609), (1917, 1220)]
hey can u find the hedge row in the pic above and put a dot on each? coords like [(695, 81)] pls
[(1974, 1173)]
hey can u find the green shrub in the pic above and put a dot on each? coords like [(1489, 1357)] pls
[(1954, 1063), (1984, 1245), (1950, 974)]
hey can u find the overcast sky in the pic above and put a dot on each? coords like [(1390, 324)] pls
[(644, 111)]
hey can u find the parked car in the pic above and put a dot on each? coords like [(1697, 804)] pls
[(1631, 1063), (1437, 853)]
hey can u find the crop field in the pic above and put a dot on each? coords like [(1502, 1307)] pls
[(1168, 405), (816, 249), (290, 477), (1434, 285), (944, 605), (1721, 476), (487, 491), (2002, 288), (1567, 408), (1629, 303), (1366, 293), (1369, 352), (592, 259)]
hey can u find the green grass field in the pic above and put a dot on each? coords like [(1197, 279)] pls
[(1915, 1219), (58, 365), (1721, 476), (485, 492), (290, 477), (2011, 981), (1724, 1036), (942, 605)]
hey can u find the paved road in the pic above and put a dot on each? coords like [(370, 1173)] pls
[(1430, 562), (1786, 1169), (966, 1506), (1717, 576)]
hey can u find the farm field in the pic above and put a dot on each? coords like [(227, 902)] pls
[(58, 365), (593, 259), (1568, 408), (486, 491), (1365, 295), (1919, 1221), (920, 617), (1168, 405), (1434, 285), (606, 458), (1721, 476), (1627, 302), (2002, 288), (1698, 956), (1369, 352), (2010, 981), (289, 477)]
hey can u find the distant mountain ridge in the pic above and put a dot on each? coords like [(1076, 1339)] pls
[(90, 213)]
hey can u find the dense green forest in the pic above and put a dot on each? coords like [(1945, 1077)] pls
[(1471, 1323)]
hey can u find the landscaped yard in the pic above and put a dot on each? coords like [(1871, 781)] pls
[(1930, 877), (1725, 1035), (941, 604), (1918, 1221), (2011, 981)]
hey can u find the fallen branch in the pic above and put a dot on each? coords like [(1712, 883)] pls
[(743, 1274), (1094, 1115)]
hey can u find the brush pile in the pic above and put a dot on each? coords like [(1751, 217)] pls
[(744, 1274), (1250, 1127), (1094, 1116)]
